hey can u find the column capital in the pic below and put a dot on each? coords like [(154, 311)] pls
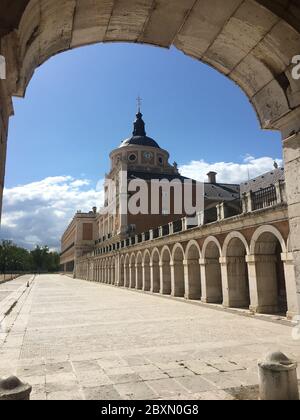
[(287, 257)]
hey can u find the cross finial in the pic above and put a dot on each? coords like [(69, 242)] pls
[(139, 103)]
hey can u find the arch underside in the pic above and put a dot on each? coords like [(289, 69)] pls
[(243, 39)]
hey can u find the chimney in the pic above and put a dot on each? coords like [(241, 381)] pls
[(94, 210), (212, 177)]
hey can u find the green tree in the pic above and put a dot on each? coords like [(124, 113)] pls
[(16, 259)]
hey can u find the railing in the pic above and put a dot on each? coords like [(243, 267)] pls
[(165, 230), (264, 198), (177, 226)]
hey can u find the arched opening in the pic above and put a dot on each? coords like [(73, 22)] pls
[(193, 283), (212, 275), (165, 272), (132, 271), (127, 271), (122, 272), (139, 271), (155, 272), (107, 271), (146, 272), (270, 275), (177, 270), (113, 272), (237, 274)]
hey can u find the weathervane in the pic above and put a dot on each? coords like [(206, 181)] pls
[(139, 103)]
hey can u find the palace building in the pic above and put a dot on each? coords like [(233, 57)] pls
[(233, 250)]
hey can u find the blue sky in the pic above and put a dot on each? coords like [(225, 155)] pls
[(81, 104)]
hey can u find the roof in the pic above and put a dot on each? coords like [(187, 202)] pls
[(139, 136), (215, 192), (263, 181), (140, 141)]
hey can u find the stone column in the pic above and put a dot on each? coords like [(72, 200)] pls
[(117, 276), (290, 282), (262, 283), (290, 129), (234, 282), (165, 278), (146, 277), (4, 119), (177, 270), (155, 277), (192, 279), (211, 289)]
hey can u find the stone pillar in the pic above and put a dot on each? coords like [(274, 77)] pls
[(132, 279), (165, 278), (138, 277), (12, 389), (210, 281), (278, 378), (234, 282), (155, 277), (262, 283), (290, 129), (200, 216), (5, 111), (171, 228), (177, 279), (290, 282), (146, 277), (192, 279), (117, 276)]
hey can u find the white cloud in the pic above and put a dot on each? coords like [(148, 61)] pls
[(38, 213), (229, 172)]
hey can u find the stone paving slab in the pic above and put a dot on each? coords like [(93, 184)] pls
[(72, 339)]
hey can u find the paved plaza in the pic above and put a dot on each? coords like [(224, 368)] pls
[(71, 339)]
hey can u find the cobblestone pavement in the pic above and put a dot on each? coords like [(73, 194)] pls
[(72, 339)]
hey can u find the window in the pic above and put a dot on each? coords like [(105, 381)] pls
[(132, 157)]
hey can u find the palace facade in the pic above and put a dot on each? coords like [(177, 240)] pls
[(234, 251)]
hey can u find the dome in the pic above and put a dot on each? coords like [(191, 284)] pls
[(139, 137), (140, 141)]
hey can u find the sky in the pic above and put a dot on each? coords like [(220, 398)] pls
[(81, 104)]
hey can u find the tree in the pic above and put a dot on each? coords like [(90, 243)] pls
[(17, 259)]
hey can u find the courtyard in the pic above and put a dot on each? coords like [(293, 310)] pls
[(72, 339)]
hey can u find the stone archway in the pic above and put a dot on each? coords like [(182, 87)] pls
[(252, 42), (127, 271), (192, 271), (267, 274), (132, 272), (155, 271), (211, 277), (165, 272), (139, 271), (113, 271), (122, 271), (146, 272), (177, 272), (235, 272)]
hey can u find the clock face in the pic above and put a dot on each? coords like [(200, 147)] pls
[(148, 155)]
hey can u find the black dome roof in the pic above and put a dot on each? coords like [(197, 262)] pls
[(139, 137), (140, 141)]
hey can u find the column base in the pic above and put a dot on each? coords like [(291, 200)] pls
[(238, 304), (268, 309), (191, 297), (217, 301)]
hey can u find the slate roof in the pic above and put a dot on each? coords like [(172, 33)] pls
[(263, 181), (214, 192)]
